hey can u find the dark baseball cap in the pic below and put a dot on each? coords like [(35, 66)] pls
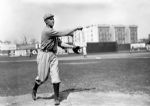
[(48, 15)]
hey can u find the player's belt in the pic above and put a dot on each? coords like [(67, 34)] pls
[(47, 51)]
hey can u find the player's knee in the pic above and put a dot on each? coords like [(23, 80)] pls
[(39, 81)]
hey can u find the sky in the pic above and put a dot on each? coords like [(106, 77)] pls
[(20, 18)]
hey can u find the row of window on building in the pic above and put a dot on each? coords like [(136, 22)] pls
[(105, 33)]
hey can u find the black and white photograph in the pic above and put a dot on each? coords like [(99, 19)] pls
[(74, 53)]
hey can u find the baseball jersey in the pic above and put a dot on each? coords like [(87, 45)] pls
[(49, 41)]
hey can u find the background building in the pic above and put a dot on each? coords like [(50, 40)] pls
[(133, 34), (120, 34), (105, 33), (90, 33), (4, 46), (105, 38)]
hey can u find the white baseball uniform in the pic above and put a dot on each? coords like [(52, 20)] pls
[(46, 58)]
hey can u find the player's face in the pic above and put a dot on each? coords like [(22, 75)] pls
[(50, 21)]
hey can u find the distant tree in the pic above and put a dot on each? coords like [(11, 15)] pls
[(24, 40), (27, 40), (8, 42), (33, 41)]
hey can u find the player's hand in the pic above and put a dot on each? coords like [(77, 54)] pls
[(79, 28)]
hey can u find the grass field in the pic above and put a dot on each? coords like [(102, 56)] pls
[(131, 75)]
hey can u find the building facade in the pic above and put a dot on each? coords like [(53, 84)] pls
[(105, 33), (133, 34)]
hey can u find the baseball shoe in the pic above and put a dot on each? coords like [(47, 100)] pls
[(34, 94), (57, 102)]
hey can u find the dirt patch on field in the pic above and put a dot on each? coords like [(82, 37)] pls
[(80, 99)]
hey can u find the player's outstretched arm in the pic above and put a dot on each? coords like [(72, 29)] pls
[(62, 33)]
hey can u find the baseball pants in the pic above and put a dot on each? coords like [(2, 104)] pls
[(47, 66)]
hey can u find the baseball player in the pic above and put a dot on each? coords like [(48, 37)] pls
[(47, 60)]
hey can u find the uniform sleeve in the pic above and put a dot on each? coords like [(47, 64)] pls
[(54, 33)]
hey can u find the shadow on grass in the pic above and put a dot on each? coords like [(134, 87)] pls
[(64, 94)]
